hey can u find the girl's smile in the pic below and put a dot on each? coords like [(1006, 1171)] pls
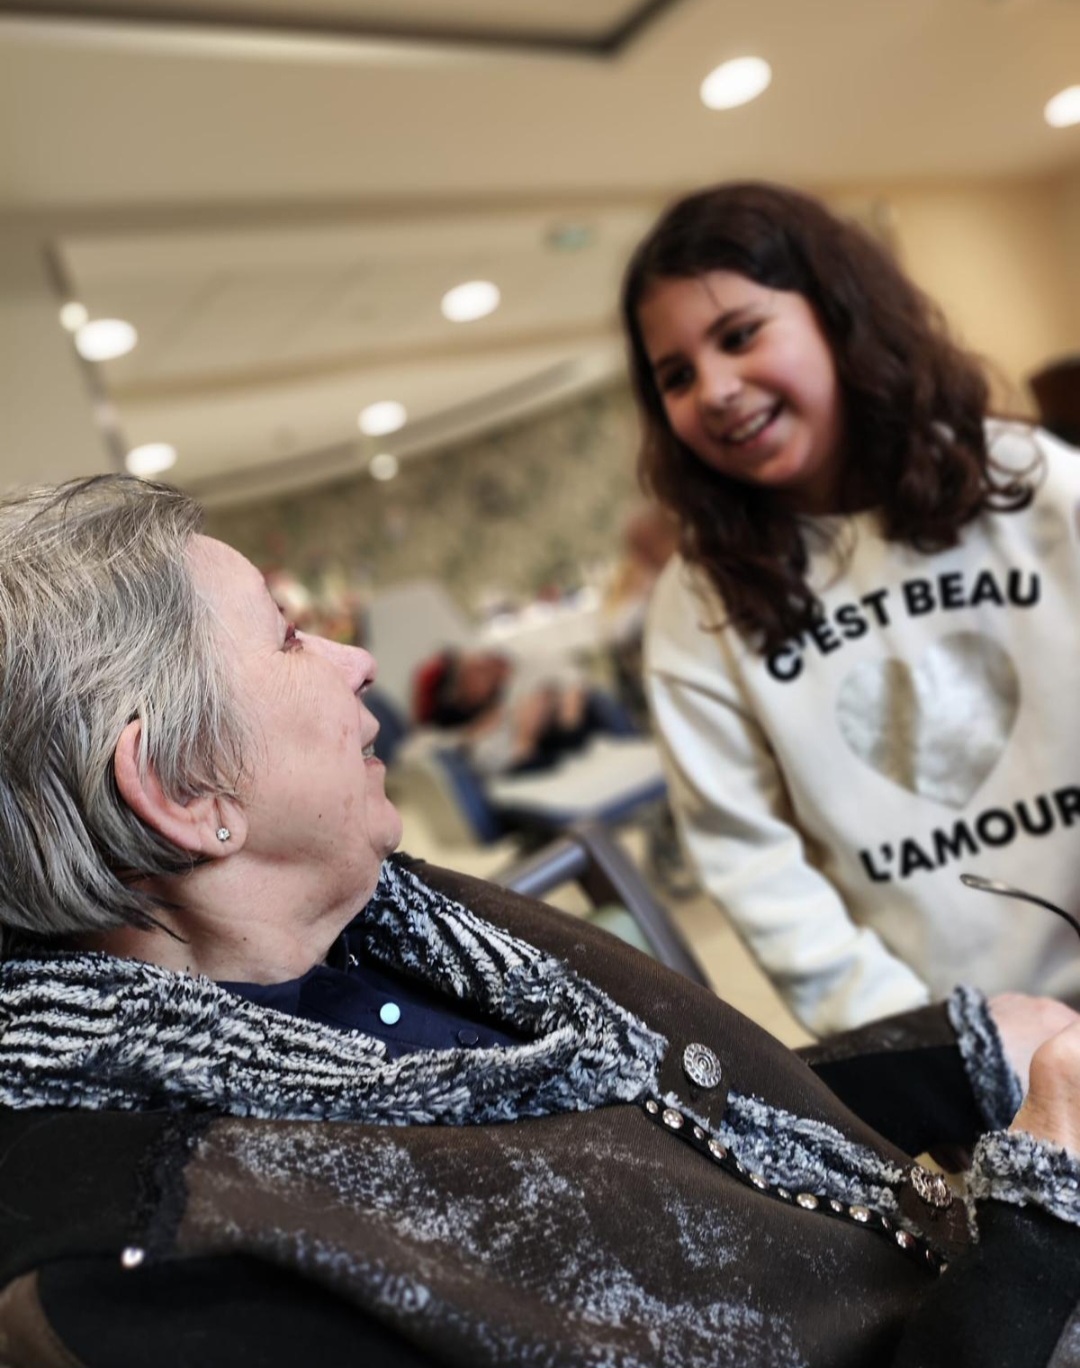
[(748, 383)]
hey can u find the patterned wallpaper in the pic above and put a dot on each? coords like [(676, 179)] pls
[(536, 505)]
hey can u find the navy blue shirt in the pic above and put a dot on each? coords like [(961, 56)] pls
[(352, 993)]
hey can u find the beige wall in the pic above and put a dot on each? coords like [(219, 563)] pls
[(47, 427), (1001, 257), (1068, 200)]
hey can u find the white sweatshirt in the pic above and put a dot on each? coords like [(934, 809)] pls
[(831, 795)]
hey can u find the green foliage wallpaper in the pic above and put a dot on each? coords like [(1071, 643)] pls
[(532, 507)]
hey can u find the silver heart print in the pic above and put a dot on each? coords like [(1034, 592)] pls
[(939, 729)]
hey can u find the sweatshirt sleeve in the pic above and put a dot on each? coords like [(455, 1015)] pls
[(734, 817)]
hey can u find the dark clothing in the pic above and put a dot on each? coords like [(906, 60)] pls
[(640, 1210), (352, 993), (601, 715)]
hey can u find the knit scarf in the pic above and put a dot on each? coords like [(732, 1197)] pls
[(91, 1030)]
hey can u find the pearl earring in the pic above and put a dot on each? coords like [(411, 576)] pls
[(223, 833)]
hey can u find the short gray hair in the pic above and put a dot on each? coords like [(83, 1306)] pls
[(100, 624)]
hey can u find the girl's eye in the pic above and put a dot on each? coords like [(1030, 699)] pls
[(675, 379), (738, 338), (292, 638)]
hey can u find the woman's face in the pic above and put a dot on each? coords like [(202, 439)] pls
[(748, 383), (314, 792)]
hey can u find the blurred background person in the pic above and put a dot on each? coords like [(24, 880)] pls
[(512, 716)]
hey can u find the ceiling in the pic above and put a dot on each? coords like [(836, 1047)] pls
[(278, 193)]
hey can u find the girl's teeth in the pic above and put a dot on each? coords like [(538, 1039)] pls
[(369, 752), (750, 429)]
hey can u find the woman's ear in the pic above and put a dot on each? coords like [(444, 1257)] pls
[(192, 824)]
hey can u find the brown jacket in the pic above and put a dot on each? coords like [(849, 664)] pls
[(751, 1221)]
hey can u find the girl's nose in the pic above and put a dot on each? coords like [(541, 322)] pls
[(720, 386)]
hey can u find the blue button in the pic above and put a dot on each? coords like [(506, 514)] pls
[(389, 1014), (467, 1036)]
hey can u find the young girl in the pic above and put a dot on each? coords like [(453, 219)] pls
[(864, 666)]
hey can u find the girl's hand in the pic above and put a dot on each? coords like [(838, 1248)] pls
[(1024, 1023), (1051, 1109)]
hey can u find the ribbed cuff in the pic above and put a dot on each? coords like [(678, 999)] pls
[(996, 1087), (1012, 1166)]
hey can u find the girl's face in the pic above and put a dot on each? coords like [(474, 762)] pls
[(748, 383)]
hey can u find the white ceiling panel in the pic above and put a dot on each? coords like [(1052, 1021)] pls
[(234, 302)]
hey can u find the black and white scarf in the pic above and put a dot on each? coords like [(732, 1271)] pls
[(91, 1030)]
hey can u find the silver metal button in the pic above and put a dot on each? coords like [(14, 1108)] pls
[(835, 1205), (701, 1066), (672, 1118), (931, 1187), (904, 1240), (759, 1181), (699, 1134), (807, 1201), (717, 1150), (652, 1107), (783, 1192), (132, 1257), (859, 1213)]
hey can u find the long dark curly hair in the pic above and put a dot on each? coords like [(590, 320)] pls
[(914, 402)]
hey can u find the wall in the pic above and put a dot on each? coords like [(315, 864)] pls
[(47, 425), (1000, 259), (1068, 203), (531, 506)]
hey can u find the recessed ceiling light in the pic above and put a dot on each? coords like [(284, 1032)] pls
[(1064, 108), (73, 315), (379, 419), (383, 466), (475, 299), (104, 339), (150, 459), (736, 82)]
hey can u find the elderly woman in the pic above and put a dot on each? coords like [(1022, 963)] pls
[(268, 1097)]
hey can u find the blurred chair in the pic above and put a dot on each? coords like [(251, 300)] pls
[(588, 856)]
